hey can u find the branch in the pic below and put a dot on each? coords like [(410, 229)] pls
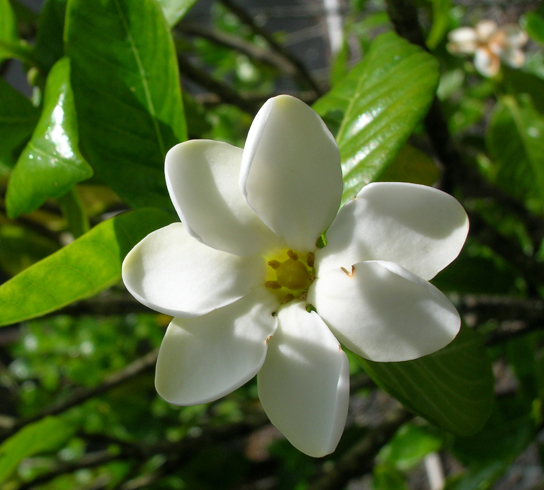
[(360, 458), (233, 42), (81, 395), (303, 74), (226, 93)]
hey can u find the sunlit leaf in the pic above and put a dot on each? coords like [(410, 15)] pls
[(18, 117), (515, 141), (83, 268), (175, 10), (50, 163), (377, 106), (452, 388), (47, 434), (128, 99)]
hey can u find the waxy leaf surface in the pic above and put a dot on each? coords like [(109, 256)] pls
[(83, 268), (128, 99), (377, 106), (452, 388), (50, 163)]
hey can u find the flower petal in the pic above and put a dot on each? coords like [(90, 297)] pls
[(383, 312), (304, 382), (513, 57), (202, 178), (291, 173), (173, 273), (487, 62), (204, 358), (418, 227), (463, 40), (485, 29), (516, 37)]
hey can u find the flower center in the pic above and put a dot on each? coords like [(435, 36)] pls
[(293, 275)]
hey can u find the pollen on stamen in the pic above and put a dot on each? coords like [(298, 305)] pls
[(310, 259), (272, 285), (287, 298), (274, 264), (292, 255)]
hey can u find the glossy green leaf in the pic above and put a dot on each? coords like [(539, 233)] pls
[(18, 117), (452, 388), (49, 47), (50, 163), (128, 98), (175, 10), (47, 434), (410, 165), (83, 268), (515, 141), (377, 106)]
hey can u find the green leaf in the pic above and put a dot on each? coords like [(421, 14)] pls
[(21, 247), (47, 434), (128, 99), (50, 163), (441, 21), (385, 477), (410, 165), (489, 453), (175, 10), (533, 23), (516, 145), (377, 106), (452, 388), (18, 117), (83, 268), (408, 447), (8, 30), (519, 82), (49, 47)]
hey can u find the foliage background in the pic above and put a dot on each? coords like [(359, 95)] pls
[(86, 141)]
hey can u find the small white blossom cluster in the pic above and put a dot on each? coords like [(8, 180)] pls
[(251, 292), (490, 45)]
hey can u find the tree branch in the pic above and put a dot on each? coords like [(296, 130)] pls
[(81, 395), (226, 93), (303, 74)]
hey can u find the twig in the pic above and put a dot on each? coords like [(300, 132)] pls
[(360, 458), (303, 73), (83, 394), (253, 52), (226, 93)]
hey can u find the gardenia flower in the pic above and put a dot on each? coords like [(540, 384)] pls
[(251, 292), (490, 45)]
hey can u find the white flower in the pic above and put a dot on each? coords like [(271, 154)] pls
[(490, 45), (239, 275)]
